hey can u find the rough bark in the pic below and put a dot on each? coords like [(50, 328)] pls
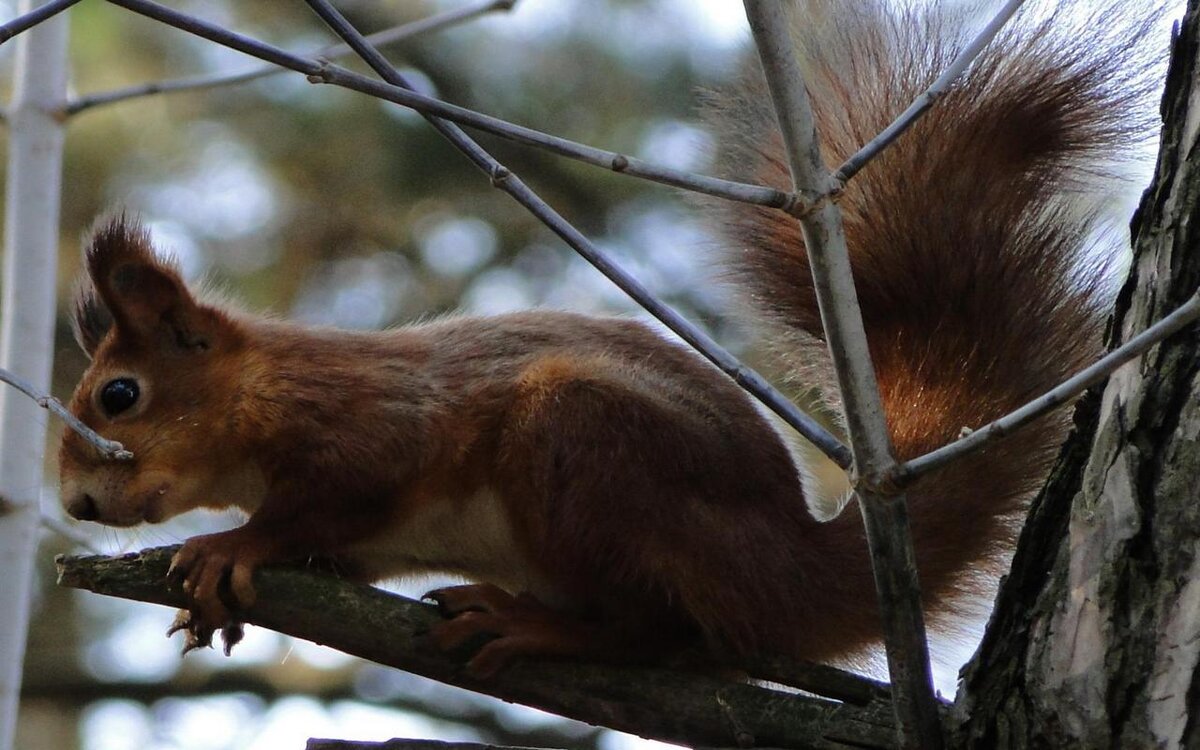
[(1096, 636)]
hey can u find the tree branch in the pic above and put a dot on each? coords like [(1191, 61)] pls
[(109, 448), (197, 83), (884, 510), (33, 18), (325, 72), (505, 180), (691, 709)]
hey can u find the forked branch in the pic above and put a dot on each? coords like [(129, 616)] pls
[(325, 72), (428, 25), (892, 555)]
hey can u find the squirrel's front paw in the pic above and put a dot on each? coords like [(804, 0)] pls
[(203, 566)]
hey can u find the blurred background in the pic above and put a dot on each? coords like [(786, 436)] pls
[(326, 206)]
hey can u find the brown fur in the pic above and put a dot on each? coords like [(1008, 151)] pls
[(969, 241), (616, 476)]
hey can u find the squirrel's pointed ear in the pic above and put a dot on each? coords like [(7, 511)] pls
[(144, 295)]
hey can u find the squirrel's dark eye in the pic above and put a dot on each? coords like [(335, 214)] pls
[(118, 395)]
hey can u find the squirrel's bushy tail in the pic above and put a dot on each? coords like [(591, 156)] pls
[(972, 238)]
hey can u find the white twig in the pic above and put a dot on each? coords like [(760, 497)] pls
[(110, 448), (884, 514), (1052, 399), (927, 99), (380, 38), (32, 196)]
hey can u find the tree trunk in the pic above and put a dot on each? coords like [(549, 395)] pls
[(1096, 636), (32, 198)]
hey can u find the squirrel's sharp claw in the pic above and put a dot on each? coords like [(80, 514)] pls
[(196, 638), (231, 635)]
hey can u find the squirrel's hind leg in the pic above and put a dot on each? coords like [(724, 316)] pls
[(511, 627)]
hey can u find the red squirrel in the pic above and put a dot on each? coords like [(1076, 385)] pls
[(611, 492)]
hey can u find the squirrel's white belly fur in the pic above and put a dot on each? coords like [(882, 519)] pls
[(470, 536)]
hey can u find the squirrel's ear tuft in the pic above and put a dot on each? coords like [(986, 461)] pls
[(90, 318), (145, 296)]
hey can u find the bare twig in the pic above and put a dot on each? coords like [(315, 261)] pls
[(1052, 399), (197, 83), (884, 513), (325, 72), (926, 100), (110, 448), (33, 18), (611, 160), (688, 708), (505, 180)]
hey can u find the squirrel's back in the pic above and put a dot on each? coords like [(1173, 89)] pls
[(972, 238)]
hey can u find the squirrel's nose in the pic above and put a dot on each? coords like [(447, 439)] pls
[(83, 508)]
